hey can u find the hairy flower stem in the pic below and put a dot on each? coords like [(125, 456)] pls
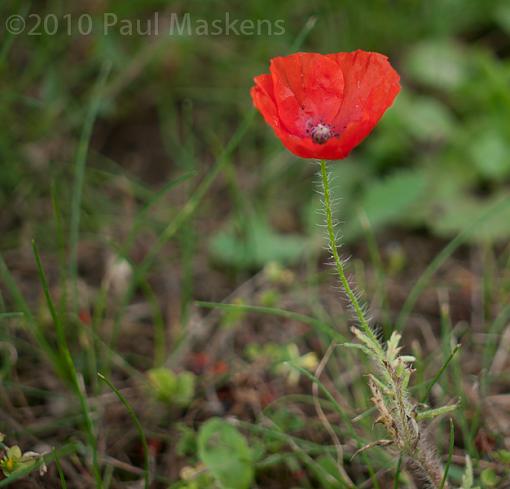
[(428, 468), (397, 411), (358, 310)]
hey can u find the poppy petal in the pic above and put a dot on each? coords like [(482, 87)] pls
[(262, 95), (371, 85), (306, 148), (308, 88)]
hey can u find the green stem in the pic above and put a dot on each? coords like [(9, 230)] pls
[(358, 310)]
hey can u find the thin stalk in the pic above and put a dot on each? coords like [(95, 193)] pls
[(396, 410), (339, 266), (78, 388)]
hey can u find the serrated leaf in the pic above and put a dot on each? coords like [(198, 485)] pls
[(374, 348), (406, 377), (392, 348)]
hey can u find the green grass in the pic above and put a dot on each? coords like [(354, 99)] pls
[(147, 152), (138, 425)]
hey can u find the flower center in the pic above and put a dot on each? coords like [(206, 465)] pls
[(320, 133)]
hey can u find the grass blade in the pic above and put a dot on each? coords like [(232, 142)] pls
[(137, 424), (9, 315), (315, 323), (71, 369), (450, 454), (33, 325), (180, 219), (436, 377), (440, 259)]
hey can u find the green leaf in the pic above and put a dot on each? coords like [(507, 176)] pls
[(432, 413), (226, 454), (164, 383), (369, 342), (392, 348), (357, 346), (14, 452), (489, 478), (187, 444), (502, 17), (15, 460), (385, 389), (440, 64), (388, 201), (490, 152), (185, 388), (426, 119), (459, 213), (502, 456), (256, 244)]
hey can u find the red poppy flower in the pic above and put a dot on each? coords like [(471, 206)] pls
[(322, 106)]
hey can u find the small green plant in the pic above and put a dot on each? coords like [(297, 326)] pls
[(14, 460), (389, 384), (399, 414), (171, 388)]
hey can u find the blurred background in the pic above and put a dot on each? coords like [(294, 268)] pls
[(130, 153)]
